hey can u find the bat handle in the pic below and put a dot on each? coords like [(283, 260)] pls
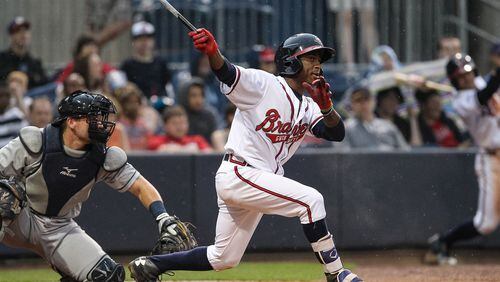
[(187, 23)]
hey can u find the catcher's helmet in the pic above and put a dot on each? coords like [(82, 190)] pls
[(287, 62), (95, 107), (459, 64)]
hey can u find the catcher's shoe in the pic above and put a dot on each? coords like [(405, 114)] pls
[(142, 269), (344, 275), (438, 253)]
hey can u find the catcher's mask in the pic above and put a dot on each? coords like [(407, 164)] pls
[(96, 108)]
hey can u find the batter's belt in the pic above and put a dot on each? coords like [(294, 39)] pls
[(235, 160)]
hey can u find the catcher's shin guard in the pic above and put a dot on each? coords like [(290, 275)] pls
[(142, 269)]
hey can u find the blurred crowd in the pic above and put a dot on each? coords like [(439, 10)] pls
[(185, 112)]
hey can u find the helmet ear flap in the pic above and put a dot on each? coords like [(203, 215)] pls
[(292, 65)]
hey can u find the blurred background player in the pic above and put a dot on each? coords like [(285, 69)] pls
[(272, 119), (480, 109)]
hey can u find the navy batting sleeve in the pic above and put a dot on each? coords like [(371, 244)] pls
[(336, 133), (227, 73), (492, 86)]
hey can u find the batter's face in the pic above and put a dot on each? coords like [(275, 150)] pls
[(311, 67)]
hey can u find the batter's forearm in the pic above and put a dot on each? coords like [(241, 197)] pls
[(216, 60), (332, 119), (226, 74)]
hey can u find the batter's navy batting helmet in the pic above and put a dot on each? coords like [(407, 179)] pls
[(95, 107), (459, 64), (287, 62)]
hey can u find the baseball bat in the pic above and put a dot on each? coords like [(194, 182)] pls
[(178, 15), (407, 79)]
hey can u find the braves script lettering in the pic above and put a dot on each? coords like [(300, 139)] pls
[(278, 131)]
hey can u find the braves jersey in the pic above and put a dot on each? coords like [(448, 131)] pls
[(270, 122), (483, 125)]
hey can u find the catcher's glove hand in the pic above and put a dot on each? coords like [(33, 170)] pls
[(175, 236)]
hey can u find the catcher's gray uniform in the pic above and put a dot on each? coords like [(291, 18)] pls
[(58, 179)]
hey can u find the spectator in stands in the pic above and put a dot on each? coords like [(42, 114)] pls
[(40, 112), (448, 46), (90, 68), (17, 56), (176, 139), (85, 45), (219, 137), (73, 83), (388, 102), (148, 71), (383, 59), (266, 60), (436, 128), (202, 121), (200, 67), (365, 130), (130, 98), (11, 118), (17, 82)]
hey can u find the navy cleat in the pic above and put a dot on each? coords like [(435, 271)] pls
[(438, 253), (142, 269), (344, 275)]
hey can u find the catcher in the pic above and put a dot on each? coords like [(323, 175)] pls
[(47, 174)]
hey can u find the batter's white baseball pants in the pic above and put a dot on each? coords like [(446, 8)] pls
[(244, 195)]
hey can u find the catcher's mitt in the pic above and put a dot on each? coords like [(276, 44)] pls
[(175, 236)]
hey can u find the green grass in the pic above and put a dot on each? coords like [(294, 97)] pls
[(245, 271)]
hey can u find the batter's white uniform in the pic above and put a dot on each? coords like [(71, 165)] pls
[(484, 126), (267, 129)]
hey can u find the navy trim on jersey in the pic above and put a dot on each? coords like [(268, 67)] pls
[(336, 133)]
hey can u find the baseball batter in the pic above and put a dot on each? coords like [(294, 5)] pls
[(272, 119), (479, 110), (46, 174)]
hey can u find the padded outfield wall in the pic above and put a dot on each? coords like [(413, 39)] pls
[(373, 200)]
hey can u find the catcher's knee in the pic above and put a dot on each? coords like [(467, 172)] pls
[(107, 270)]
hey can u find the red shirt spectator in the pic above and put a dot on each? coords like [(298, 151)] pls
[(106, 68), (156, 142), (443, 135), (85, 45), (176, 140)]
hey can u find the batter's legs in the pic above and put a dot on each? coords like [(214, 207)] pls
[(487, 215), (245, 194)]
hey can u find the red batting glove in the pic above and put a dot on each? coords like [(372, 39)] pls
[(319, 91), (204, 41)]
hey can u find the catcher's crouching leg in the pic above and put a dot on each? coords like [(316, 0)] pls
[(107, 270)]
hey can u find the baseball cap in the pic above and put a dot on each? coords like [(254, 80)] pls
[(142, 28), (17, 23), (266, 55)]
